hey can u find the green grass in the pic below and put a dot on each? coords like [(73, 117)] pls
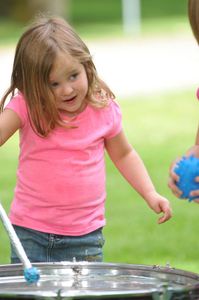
[(149, 28), (8, 163), (153, 27), (10, 32), (160, 127), (99, 19), (91, 11)]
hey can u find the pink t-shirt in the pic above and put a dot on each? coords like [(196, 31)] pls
[(61, 178)]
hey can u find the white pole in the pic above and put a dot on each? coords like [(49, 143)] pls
[(131, 16), (14, 238)]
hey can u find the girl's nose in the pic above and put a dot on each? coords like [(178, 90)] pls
[(67, 89)]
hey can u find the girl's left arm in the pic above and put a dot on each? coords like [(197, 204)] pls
[(130, 165)]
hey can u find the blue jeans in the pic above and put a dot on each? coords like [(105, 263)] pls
[(46, 247)]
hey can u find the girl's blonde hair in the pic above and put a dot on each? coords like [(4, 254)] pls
[(34, 57), (193, 13)]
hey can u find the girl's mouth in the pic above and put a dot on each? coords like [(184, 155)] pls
[(70, 100)]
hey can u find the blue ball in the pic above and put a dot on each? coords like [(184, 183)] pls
[(187, 169), (31, 275)]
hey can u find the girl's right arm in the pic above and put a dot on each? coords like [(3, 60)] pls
[(9, 123)]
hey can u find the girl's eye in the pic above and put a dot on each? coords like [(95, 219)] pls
[(73, 76), (54, 84)]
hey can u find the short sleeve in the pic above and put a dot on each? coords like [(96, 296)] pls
[(18, 105), (115, 117)]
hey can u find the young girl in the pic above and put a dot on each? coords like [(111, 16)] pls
[(66, 117), (193, 14)]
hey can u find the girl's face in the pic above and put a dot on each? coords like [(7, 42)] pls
[(69, 84)]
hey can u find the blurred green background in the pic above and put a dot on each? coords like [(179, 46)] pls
[(160, 125), (92, 18)]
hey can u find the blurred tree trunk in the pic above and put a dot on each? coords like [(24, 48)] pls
[(24, 10), (55, 7)]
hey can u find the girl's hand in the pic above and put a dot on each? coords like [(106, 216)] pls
[(159, 204), (173, 179), (196, 192)]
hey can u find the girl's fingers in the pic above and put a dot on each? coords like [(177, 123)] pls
[(167, 212), (174, 176), (195, 193), (172, 185), (166, 216)]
